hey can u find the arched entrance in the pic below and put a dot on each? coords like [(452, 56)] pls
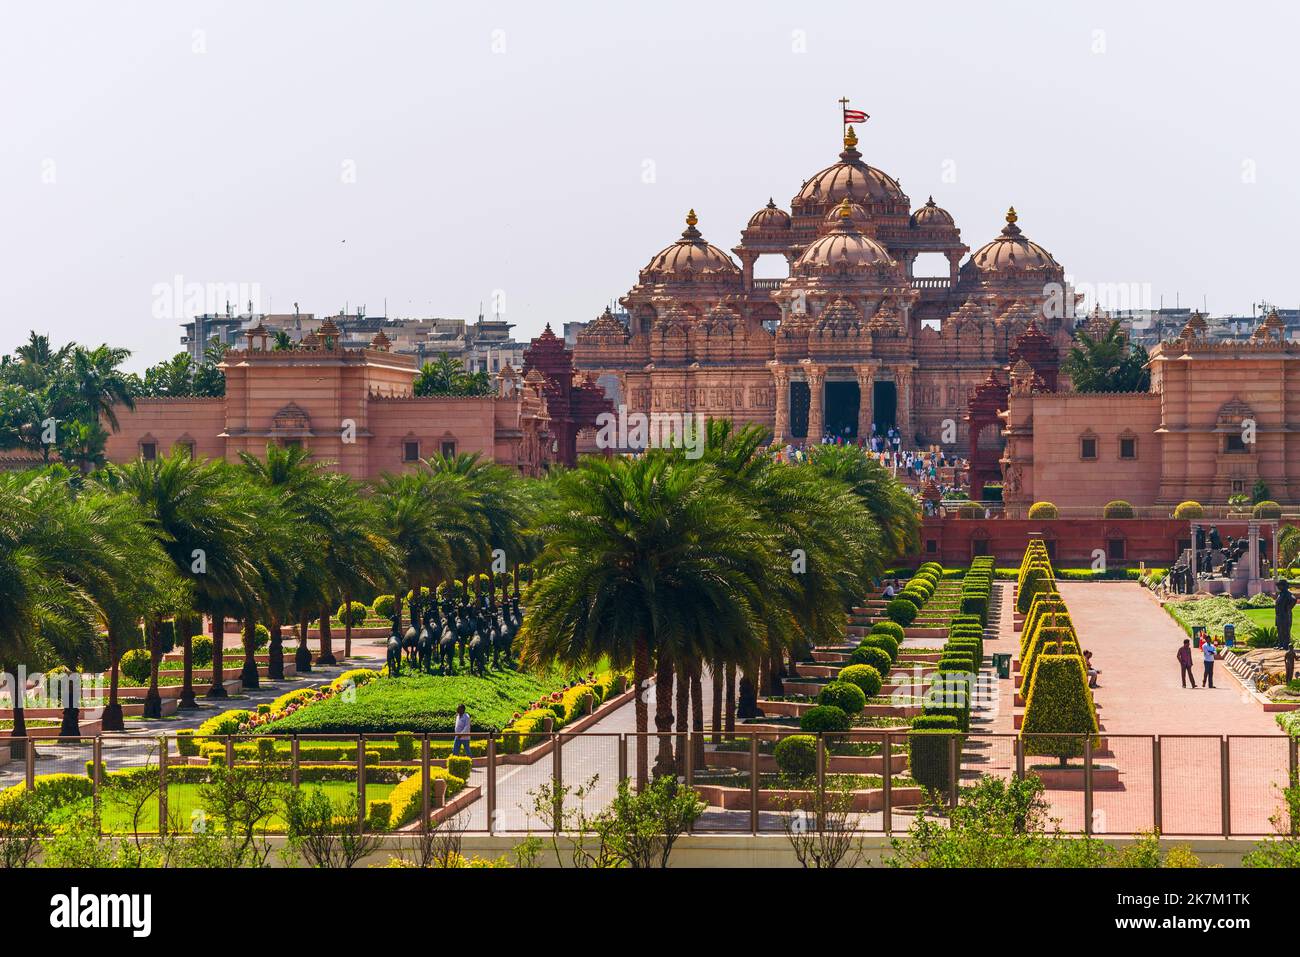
[(800, 397), (884, 405), (842, 401)]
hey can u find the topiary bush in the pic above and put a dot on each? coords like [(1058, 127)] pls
[(383, 606), (1117, 509), (891, 628), (201, 651), (824, 719), (1058, 703), (969, 510), (1267, 509), (261, 637), (796, 756), (866, 677), (136, 667), (1044, 510), (929, 750), (901, 611), (844, 695), (878, 658), (886, 643), (949, 694), (353, 614), (1189, 509)]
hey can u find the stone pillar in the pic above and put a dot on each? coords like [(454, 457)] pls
[(866, 380), (746, 268), (781, 382), (816, 403), (903, 386), (954, 263)]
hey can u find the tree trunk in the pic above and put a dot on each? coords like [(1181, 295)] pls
[(747, 705), (697, 715), (17, 748), (664, 715), (730, 726), (188, 703), (775, 672), (112, 720), (70, 726), (152, 699), (347, 626), (326, 656), (716, 671), (218, 689), (683, 718), (641, 678), (302, 657), (249, 675), (275, 650)]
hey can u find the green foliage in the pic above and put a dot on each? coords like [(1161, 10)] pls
[(1107, 363), (1188, 510), (1266, 509), (866, 677), (929, 750), (201, 651), (136, 666), (796, 756), (877, 658), (902, 611), (1043, 510), (845, 695), (1117, 509), (891, 628), (459, 766), (824, 719), (1058, 703), (1211, 613), (355, 613), (383, 606), (886, 643)]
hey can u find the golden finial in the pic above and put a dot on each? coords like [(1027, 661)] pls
[(850, 139), (691, 218), (846, 209), (1011, 215)]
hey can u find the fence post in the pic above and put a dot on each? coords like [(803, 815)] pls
[(887, 749), (753, 783), (491, 783), (557, 783), (1157, 784), (162, 784), (230, 753), (1293, 760), (294, 761), (690, 772), (29, 761), (424, 783), (1225, 787), (96, 762), (954, 756), (1087, 784), (821, 782), (622, 757), (361, 783), (1018, 748)]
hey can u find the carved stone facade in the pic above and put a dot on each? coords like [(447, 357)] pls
[(851, 338)]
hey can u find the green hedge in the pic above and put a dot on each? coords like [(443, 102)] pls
[(844, 695), (1058, 702), (878, 658), (901, 611), (929, 750), (864, 676), (824, 719)]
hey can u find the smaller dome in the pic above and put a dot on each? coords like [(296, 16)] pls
[(843, 248), (858, 216), (770, 217), (1012, 250), (692, 255), (932, 215)]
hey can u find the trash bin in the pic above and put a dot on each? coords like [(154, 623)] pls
[(1229, 635), (1002, 661)]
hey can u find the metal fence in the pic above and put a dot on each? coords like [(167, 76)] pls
[(1181, 785)]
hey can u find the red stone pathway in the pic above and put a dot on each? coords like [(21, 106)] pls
[(1133, 641)]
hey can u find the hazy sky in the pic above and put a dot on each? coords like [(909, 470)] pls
[(437, 153)]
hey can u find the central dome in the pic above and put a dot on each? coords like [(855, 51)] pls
[(851, 179)]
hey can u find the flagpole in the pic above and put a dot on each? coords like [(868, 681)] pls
[(844, 126)]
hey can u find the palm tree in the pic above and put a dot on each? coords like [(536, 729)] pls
[(1107, 363), (892, 506), (645, 561), (99, 382)]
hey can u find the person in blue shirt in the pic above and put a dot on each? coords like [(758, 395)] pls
[(1207, 680)]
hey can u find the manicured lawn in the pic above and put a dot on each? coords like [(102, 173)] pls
[(183, 800), (424, 704)]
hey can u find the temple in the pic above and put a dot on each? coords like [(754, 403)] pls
[(852, 339)]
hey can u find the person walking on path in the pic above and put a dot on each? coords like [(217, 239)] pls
[(462, 731), (1208, 678), (1185, 663)]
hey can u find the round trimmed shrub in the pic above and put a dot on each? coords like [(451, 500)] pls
[(886, 643), (796, 756), (261, 637), (1189, 509), (844, 695), (1267, 509), (383, 606), (891, 628), (878, 658), (969, 510), (824, 719), (902, 611), (1043, 510), (135, 666), (866, 677), (353, 614), (1117, 509), (201, 651)]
